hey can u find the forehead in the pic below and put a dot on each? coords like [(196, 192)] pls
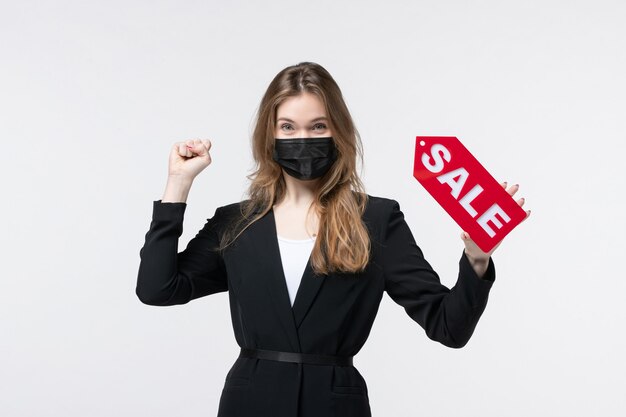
[(304, 107)]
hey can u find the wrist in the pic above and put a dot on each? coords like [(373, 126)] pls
[(177, 189), (477, 259), (179, 180), (478, 264)]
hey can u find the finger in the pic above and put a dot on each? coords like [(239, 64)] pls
[(521, 201), (194, 146), (199, 146), (513, 189), (503, 184), (205, 145), (182, 149)]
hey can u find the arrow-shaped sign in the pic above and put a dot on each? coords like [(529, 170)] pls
[(465, 190)]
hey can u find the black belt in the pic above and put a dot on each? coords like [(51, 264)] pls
[(310, 358)]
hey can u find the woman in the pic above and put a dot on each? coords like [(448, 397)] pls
[(305, 260)]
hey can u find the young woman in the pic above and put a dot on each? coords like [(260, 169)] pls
[(305, 259)]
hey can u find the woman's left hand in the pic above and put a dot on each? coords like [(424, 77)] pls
[(472, 251)]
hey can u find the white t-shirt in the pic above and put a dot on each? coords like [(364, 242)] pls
[(294, 255)]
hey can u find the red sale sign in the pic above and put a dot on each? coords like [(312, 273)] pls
[(465, 190)]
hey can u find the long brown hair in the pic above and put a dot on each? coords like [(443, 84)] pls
[(343, 243)]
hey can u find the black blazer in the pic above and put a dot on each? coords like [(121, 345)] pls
[(332, 314)]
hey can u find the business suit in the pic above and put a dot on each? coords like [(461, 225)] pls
[(332, 314)]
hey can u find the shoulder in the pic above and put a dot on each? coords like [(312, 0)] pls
[(380, 212), (379, 206), (226, 215), (375, 206), (230, 211), (231, 207)]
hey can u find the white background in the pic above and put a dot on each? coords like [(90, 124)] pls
[(93, 95)]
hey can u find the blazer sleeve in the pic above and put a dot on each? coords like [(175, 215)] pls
[(168, 277), (448, 316)]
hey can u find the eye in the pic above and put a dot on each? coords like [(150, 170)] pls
[(284, 125), (321, 126)]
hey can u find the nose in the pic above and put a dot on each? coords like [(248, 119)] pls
[(306, 133)]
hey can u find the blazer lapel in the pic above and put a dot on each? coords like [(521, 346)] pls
[(266, 249), (310, 284)]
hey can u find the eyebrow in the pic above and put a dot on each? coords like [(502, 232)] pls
[(314, 120)]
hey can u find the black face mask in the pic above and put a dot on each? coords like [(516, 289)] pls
[(305, 158)]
